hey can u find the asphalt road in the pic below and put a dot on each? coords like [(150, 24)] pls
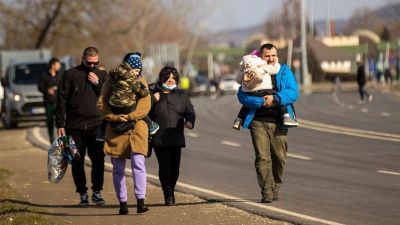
[(337, 176)]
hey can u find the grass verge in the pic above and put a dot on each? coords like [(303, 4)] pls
[(16, 211)]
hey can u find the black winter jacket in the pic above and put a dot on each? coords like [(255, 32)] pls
[(170, 112), (361, 78), (47, 81), (77, 98)]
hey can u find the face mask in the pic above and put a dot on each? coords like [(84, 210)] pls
[(169, 88)]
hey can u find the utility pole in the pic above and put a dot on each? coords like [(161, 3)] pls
[(311, 21), (307, 82), (210, 62), (290, 52), (328, 20)]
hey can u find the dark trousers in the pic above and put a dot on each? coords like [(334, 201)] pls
[(362, 91), (50, 119), (86, 141), (169, 160)]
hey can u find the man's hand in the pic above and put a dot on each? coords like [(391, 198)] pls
[(157, 96), (93, 78), (268, 100), (122, 118), (188, 125), (51, 91), (60, 132)]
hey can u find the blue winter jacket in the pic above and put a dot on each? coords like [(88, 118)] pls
[(287, 94)]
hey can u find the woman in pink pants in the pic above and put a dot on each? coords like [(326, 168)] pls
[(131, 144)]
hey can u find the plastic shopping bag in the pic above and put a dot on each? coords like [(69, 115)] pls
[(62, 151)]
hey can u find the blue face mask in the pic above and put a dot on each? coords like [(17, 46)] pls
[(169, 88)]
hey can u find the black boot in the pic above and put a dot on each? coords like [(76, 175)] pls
[(123, 208), (168, 196), (141, 208), (173, 195)]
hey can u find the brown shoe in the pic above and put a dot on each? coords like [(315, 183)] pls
[(267, 197), (276, 196)]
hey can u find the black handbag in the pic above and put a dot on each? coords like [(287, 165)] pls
[(122, 127)]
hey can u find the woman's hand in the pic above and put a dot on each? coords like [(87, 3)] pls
[(157, 96), (122, 118), (188, 125)]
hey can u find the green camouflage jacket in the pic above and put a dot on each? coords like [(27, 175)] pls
[(126, 88)]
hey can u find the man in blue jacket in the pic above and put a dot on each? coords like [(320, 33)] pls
[(264, 120)]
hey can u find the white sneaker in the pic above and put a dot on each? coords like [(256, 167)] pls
[(370, 98), (289, 122)]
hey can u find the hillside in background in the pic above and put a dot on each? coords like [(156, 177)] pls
[(235, 37)]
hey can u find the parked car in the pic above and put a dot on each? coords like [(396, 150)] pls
[(228, 84), (22, 99), (199, 85)]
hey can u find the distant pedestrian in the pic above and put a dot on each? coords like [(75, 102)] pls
[(125, 105), (268, 134), (172, 110), (77, 116), (361, 81), (389, 75), (48, 85)]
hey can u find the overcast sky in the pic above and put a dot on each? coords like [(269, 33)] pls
[(243, 13)]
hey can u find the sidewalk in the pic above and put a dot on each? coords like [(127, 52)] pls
[(29, 167)]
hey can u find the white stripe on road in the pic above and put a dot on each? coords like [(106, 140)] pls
[(298, 156), (192, 134), (230, 143), (348, 131), (36, 134), (386, 114), (364, 110), (388, 172)]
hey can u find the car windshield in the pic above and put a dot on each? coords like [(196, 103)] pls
[(30, 73)]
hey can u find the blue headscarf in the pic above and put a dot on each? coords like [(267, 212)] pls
[(134, 60)]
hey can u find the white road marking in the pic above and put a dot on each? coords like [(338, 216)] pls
[(230, 143), (348, 131), (298, 156), (350, 106), (36, 134), (192, 134), (388, 172), (364, 110), (386, 114)]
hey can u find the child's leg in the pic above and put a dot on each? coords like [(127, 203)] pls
[(243, 112), (148, 121), (153, 127), (240, 117)]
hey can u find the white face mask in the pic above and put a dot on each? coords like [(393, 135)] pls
[(169, 88)]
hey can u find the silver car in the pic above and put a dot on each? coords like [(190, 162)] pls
[(228, 84), (22, 99)]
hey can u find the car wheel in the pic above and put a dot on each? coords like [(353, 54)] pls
[(7, 120)]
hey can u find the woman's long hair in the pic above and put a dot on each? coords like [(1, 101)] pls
[(166, 72)]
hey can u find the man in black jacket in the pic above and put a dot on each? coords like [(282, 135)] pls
[(77, 116), (361, 81), (48, 85)]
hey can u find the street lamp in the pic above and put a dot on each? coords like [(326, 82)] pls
[(307, 82)]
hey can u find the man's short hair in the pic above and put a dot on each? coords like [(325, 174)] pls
[(53, 61), (90, 51), (268, 46)]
